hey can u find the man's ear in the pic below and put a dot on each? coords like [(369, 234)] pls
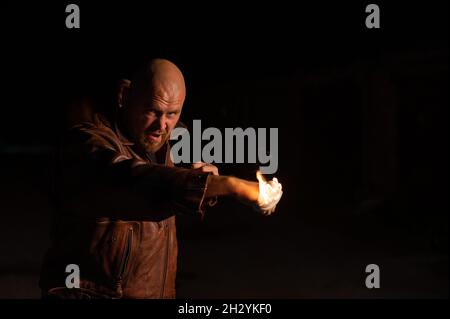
[(123, 88)]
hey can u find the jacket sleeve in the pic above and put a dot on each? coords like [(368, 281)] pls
[(98, 180)]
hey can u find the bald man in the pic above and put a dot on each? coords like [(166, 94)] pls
[(119, 192)]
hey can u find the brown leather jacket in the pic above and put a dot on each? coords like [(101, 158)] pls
[(116, 216)]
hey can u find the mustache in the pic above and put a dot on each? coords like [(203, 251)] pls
[(155, 132)]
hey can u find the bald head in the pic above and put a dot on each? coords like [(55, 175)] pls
[(161, 78)]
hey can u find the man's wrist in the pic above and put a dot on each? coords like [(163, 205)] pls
[(219, 186), (244, 190)]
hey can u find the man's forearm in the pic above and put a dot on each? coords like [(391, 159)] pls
[(232, 186)]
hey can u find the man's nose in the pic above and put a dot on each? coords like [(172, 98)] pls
[(162, 123)]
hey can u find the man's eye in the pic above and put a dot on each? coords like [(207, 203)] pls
[(150, 112), (171, 114)]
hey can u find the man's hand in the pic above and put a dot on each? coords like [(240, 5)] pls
[(206, 168), (262, 196), (269, 195)]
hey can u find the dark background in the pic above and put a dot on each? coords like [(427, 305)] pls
[(363, 136)]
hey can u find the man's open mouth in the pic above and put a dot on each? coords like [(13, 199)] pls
[(154, 136)]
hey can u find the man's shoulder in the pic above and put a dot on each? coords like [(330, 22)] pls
[(97, 121), (98, 126)]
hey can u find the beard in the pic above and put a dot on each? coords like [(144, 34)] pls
[(150, 144)]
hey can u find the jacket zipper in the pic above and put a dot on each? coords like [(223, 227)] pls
[(126, 257), (166, 227)]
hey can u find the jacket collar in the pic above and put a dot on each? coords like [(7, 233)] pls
[(122, 138), (101, 120)]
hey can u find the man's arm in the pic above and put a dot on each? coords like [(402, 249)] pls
[(99, 180), (240, 189), (262, 196), (110, 184)]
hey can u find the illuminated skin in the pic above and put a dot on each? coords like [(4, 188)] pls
[(151, 107)]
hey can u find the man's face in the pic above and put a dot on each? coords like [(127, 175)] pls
[(152, 115)]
